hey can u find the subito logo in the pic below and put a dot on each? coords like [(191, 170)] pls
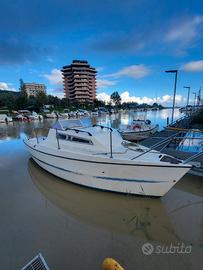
[(147, 249)]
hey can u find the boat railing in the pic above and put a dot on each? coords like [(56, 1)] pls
[(193, 157), (156, 145), (166, 142)]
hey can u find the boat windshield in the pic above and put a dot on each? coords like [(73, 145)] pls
[(72, 123)]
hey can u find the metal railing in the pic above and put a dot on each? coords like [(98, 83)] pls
[(153, 147)]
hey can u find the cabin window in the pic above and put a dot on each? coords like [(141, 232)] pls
[(61, 136), (171, 160), (81, 140), (74, 139)]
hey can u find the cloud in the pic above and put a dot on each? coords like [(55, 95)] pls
[(134, 71), (125, 97), (19, 49), (59, 92), (118, 42), (102, 83), (6, 86), (55, 77), (193, 66), (104, 97), (185, 33)]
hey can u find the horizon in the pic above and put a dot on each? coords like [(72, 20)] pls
[(130, 44)]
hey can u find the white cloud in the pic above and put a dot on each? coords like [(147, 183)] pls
[(134, 71), (102, 83), (185, 32), (125, 97), (193, 66), (99, 69), (55, 77), (104, 97), (6, 86)]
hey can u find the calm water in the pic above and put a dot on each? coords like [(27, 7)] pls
[(76, 227), (156, 117)]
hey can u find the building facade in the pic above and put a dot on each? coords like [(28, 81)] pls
[(79, 81), (32, 89)]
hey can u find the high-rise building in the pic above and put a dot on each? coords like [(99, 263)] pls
[(79, 80), (32, 89)]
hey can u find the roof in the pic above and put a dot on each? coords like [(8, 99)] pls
[(72, 123)]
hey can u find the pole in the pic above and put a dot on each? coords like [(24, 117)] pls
[(174, 95), (57, 139), (111, 155), (188, 95), (194, 99)]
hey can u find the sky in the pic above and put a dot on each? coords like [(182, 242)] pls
[(131, 43)]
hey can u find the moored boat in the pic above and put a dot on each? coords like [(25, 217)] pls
[(138, 130), (97, 157)]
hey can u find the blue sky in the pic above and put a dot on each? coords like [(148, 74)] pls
[(130, 42)]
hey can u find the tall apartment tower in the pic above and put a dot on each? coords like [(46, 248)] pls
[(79, 81)]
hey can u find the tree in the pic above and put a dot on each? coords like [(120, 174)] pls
[(22, 100), (65, 103), (98, 103), (41, 100), (115, 97)]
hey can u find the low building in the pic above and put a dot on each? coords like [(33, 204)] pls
[(32, 89)]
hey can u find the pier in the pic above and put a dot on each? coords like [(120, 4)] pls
[(177, 131)]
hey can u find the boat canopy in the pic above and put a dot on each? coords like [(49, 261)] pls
[(72, 123)]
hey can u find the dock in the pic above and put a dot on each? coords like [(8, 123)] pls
[(177, 131)]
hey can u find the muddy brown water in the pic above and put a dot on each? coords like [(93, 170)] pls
[(76, 227)]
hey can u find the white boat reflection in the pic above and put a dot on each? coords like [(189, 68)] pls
[(144, 218)]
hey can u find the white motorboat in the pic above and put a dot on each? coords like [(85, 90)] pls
[(51, 115), (138, 130), (81, 112), (97, 157), (4, 118), (36, 116), (94, 113), (72, 114)]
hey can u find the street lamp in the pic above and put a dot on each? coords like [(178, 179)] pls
[(195, 95), (174, 92), (188, 95)]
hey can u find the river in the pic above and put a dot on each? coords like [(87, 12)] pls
[(76, 227)]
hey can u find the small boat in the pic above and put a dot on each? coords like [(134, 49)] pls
[(22, 118), (97, 157), (138, 130), (94, 113), (4, 118), (35, 116), (51, 115), (185, 109), (72, 114), (81, 112)]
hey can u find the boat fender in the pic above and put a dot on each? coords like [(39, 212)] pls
[(136, 126), (111, 264)]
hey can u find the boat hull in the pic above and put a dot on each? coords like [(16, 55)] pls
[(138, 135), (110, 176)]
